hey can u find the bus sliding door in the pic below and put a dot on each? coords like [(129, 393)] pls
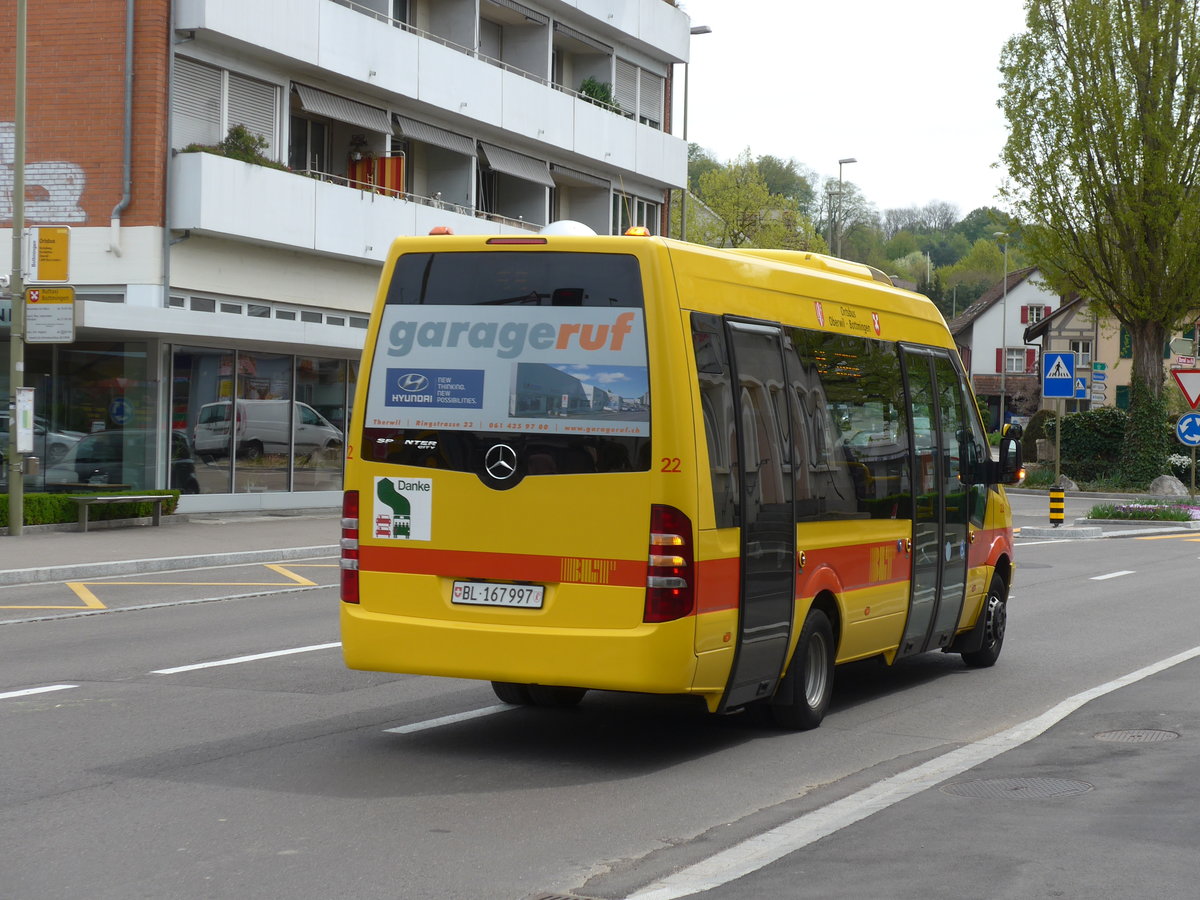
[(768, 545), (940, 518)]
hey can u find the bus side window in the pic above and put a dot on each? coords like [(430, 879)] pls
[(850, 397)]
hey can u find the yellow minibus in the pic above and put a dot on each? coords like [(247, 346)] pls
[(628, 463)]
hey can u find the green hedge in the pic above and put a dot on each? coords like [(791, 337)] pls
[(54, 509), (1092, 443)]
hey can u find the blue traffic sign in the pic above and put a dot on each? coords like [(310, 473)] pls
[(121, 411), (1081, 389), (1058, 376), (1188, 430)]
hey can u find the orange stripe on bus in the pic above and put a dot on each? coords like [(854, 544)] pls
[(503, 566)]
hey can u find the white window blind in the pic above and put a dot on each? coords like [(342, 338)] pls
[(651, 107), (625, 88), (196, 103), (253, 103)]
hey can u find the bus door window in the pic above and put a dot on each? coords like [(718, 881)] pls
[(927, 514), (956, 500), (768, 520), (942, 508), (720, 428)]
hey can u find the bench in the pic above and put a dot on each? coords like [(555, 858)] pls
[(86, 502)]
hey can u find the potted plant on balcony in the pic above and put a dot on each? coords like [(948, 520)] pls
[(239, 143), (599, 92)]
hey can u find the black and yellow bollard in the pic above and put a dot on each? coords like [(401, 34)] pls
[(1058, 505)]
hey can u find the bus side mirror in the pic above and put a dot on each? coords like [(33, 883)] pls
[(1008, 466)]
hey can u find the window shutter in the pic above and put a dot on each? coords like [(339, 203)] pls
[(196, 105), (253, 103), (1030, 361), (625, 89), (651, 97), (1024, 315), (999, 359), (1046, 312)]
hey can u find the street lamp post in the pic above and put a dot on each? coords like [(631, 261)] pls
[(1003, 329), (841, 162), (16, 285), (696, 29)]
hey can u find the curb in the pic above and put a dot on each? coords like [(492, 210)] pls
[(88, 571), (1062, 533)]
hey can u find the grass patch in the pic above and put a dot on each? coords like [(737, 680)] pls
[(1146, 512)]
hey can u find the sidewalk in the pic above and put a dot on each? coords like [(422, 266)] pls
[(181, 542)]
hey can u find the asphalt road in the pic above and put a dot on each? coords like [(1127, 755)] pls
[(186, 746)]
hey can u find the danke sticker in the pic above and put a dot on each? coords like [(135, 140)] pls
[(403, 508)]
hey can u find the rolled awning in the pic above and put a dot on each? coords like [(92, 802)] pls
[(574, 176), (343, 109), (431, 134), (517, 165)]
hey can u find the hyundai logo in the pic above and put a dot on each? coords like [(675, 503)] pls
[(413, 382), (501, 461)]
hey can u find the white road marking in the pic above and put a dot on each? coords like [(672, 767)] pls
[(41, 690), (1112, 575), (450, 720), (762, 850), (241, 659)]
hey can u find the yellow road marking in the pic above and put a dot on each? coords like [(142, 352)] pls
[(1186, 536), (299, 579), (91, 601)]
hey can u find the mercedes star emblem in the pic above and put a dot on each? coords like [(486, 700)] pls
[(501, 461)]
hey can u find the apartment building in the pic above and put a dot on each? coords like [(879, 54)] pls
[(204, 283)]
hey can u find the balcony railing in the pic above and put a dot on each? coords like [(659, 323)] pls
[(434, 202), (483, 57)]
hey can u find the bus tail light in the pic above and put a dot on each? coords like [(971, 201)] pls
[(349, 561), (670, 576)]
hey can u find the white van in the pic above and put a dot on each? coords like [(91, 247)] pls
[(263, 426)]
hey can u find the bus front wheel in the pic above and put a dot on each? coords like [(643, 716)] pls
[(995, 611), (808, 684), (553, 696)]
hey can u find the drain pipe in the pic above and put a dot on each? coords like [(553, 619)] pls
[(114, 243)]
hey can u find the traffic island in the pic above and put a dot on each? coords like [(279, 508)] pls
[(1063, 532)]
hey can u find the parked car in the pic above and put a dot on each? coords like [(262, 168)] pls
[(123, 456), (263, 426), (50, 446)]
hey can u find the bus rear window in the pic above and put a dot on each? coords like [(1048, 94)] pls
[(517, 278), (543, 351)]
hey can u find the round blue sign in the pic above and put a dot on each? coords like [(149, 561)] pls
[(121, 411), (1188, 430)]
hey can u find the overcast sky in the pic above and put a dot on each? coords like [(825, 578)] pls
[(906, 87)]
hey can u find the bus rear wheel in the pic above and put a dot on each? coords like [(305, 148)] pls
[(808, 684), (510, 692)]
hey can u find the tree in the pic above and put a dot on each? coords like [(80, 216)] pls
[(901, 244), (789, 179), (699, 162), (738, 195), (851, 213), (983, 222), (748, 213), (966, 280), (1102, 99)]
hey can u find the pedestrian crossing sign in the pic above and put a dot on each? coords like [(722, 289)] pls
[(1058, 375)]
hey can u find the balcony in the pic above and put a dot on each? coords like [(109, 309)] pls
[(320, 213), (394, 65)]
